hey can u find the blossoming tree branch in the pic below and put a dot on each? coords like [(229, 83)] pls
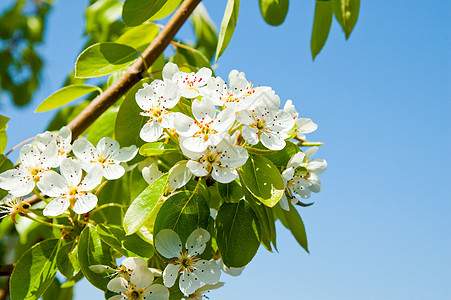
[(171, 175)]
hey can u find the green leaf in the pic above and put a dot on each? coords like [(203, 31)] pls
[(347, 12), (103, 58), (65, 115), (293, 222), (102, 126), (166, 10), (193, 57), (128, 121), (92, 251), (262, 179), (157, 148), (3, 137), (227, 26), (205, 29), (274, 11), (127, 245), (3, 121), (139, 36), (238, 233), (135, 12), (183, 212), (67, 260), (66, 95), (114, 191), (321, 25), (56, 292), (35, 271), (231, 192), (143, 206)]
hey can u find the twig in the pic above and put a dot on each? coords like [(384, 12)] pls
[(18, 145), (6, 270), (134, 74)]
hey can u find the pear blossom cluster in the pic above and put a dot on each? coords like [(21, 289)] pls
[(214, 124), (65, 172)]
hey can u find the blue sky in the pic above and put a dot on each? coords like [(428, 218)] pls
[(380, 229)]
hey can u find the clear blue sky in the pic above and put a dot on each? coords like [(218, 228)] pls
[(380, 229)]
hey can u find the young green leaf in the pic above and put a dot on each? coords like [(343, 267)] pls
[(135, 12), (293, 222), (102, 126), (183, 212), (157, 148), (166, 10), (139, 36), (227, 26), (347, 12), (230, 192), (92, 251), (57, 292), (66, 95), (35, 271), (274, 11), (238, 233), (142, 207), (193, 57), (262, 179), (67, 260), (205, 29), (281, 157), (103, 58), (321, 25)]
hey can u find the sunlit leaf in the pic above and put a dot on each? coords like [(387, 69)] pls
[(321, 25), (66, 95), (135, 12), (227, 26), (274, 11)]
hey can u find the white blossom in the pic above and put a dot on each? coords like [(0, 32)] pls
[(33, 164), (220, 161), (156, 100), (12, 206), (207, 129), (69, 189), (63, 141), (304, 126), (230, 270), (301, 176), (193, 270), (106, 155), (135, 282), (199, 294), (189, 83)]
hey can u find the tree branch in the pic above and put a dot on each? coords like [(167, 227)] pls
[(6, 270), (134, 74)]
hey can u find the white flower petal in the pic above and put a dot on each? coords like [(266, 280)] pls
[(157, 292), (207, 271), (305, 125), (250, 135), (107, 146), (141, 277), (317, 166), (151, 173), (272, 141), (71, 171), (84, 203), (56, 207), (197, 241), (92, 179), (203, 111), (113, 171), (29, 156), (170, 274), (169, 70), (132, 263), (224, 120), (189, 283), (151, 131), (284, 203), (84, 150), (126, 154), (117, 297), (315, 183), (168, 244), (49, 156), (179, 176), (224, 175), (209, 287), (195, 144), (198, 169), (296, 160), (53, 184), (230, 271), (118, 285), (184, 125), (310, 152)]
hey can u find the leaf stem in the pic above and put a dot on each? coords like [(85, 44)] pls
[(46, 223), (105, 206)]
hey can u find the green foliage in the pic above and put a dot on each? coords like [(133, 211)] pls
[(183, 212), (67, 260), (35, 271), (103, 58), (231, 192), (293, 222), (274, 11), (102, 126), (3, 137), (347, 12), (135, 12), (227, 26), (205, 30), (93, 251), (157, 148), (66, 95), (145, 205), (139, 37), (262, 179), (238, 233), (321, 25)]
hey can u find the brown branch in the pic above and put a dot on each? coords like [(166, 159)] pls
[(6, 270), (134, 74)]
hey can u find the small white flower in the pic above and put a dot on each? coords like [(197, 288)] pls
[(304, 126), (220, 161), (231, 271), (199, 294), (136, 283), (156, 100), (107, 155), (189, 83), (151, 173), (266, 125), (208, 128), (11, 206), (193, 270), (69, 189), (63, 139), (34, 164), (301, 177)]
